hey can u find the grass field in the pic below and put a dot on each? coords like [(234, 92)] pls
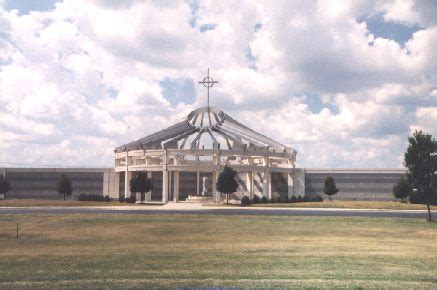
[(57, 202), (168, 251), (356, 204)]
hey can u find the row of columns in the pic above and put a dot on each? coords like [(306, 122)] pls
[(167, 181), (267, 184), (167, 176)]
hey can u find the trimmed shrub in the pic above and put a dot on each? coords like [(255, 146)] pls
[(285, 199), (329, 187), (256, 199), (293, 199), (131, 199), (272, 200), (306, 198), (299, 198), (64, 186), (264, 199), (93, 197), (245, 200), (121, 198)]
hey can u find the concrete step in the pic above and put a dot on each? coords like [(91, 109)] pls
[(199, 199)]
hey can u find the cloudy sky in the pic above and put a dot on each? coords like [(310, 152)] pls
[(343, 82)]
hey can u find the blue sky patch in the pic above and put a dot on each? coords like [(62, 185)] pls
[(112, 92), (25, 6), (178, 90), (194, 6), (390, 30), (316, 104), (206, 27), (251, 59)]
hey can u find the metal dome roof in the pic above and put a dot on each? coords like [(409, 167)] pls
[(206, 128)]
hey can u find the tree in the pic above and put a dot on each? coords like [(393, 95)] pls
[(402, 189), (64, 186), (140, 183), (330, 188), (226, 182), (421, 163), (5, 186)]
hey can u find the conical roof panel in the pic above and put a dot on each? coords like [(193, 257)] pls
[(207, 128)]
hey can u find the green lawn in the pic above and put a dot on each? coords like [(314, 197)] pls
[(355, 204), (159, 251), (57, 202)]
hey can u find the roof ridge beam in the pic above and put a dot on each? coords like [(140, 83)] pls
[(267, 139)]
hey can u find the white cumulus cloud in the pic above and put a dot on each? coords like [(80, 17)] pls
[(80, 79)]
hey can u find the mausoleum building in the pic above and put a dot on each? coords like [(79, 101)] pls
[(184, 156)]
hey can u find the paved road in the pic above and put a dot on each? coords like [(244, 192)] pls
[(204, 210)]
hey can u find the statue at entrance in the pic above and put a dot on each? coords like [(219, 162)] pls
[(204, 190)]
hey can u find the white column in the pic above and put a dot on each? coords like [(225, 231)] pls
[(267, 179), (169, 184), (149, 194), (290, 184), (215, 194), (267, 185), (127, 178), (198, 183), (176, 186), (164, 186), (249, 183), (252, 184)]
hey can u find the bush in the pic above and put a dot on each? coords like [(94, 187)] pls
[(402, 189), (93, 197), (121, 198), (272, 200), (299, 198), (264, 199), (418, 199), (278, 200), (131, 199), (245, 200), (256, 199), (415, 199), (285, 199), (293, 199)]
